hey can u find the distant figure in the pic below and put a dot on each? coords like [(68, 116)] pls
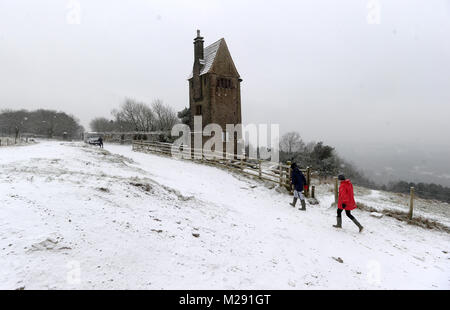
[(100, 142), (298, 180), (346, 201)]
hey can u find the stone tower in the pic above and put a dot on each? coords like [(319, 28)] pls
[(214, 85)]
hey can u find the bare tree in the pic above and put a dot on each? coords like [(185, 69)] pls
[(41, 122), (136, 115), (166, 117), (101, 124), (309, 148), (291, 142), (12, 122)]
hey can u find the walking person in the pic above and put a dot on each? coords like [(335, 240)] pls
[(298, 180), (346, 201), (100, 142)]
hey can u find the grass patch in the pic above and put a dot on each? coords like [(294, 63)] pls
[(403, 217)]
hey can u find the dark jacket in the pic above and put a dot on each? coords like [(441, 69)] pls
[(298, 179)]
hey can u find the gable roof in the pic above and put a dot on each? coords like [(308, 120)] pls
[(209, 54)]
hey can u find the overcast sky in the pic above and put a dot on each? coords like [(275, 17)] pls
[(333, 70)]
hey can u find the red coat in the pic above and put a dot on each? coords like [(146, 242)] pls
[(346, 196)]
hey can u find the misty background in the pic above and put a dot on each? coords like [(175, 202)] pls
[(376, 89)]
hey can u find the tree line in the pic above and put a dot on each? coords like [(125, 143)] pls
[(322, 157), (134, 115), (42, 122), (422, 190), (327, 163)]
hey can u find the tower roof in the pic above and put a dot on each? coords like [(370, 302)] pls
[(210, 53)]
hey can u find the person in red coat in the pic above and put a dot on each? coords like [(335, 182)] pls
[(346, 201)]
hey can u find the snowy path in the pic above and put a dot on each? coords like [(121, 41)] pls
[(128, 220)]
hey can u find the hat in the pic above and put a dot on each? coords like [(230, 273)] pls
[(341, 177)]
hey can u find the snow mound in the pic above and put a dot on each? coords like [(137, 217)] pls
[(376, 214), (52, 242)]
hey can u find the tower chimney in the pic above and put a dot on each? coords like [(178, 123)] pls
[(198, 54), (198, 47)]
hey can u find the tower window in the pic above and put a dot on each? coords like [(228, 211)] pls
[(224, 83), (198, 110)]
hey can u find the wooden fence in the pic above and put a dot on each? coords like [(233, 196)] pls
[(277, 173), (7, 141), (126, 137)]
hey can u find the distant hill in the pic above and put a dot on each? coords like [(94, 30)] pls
[(413, 163)]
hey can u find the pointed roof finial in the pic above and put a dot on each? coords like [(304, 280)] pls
[(198, 33)]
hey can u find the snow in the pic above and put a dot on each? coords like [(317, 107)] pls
[(380, 200), (74, 216), (376, 214)]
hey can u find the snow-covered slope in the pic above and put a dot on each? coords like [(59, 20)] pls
[(75, 216)]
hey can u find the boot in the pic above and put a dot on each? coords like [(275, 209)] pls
[(303, 205), (358, 224), (339, 222), (294, 202)]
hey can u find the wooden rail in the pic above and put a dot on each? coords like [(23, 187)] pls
[(280, 175), (7, 141)]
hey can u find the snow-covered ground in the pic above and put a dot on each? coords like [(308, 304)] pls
[(74, 216), (431, 209)]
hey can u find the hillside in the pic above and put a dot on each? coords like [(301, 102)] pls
[(76, 216)]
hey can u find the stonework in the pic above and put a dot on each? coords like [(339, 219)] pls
[(214, 85)]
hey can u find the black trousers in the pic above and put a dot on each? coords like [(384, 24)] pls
[(347, 212)]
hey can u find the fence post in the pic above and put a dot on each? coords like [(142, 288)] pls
[(411, 203), (242, 163), (336, 194), (288, 177), (308, 180), (308, 172), (281, 173), (259, 168), (312, 191)]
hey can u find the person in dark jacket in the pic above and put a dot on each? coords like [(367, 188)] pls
[(298, 180), (346, 201), (100, 142)]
